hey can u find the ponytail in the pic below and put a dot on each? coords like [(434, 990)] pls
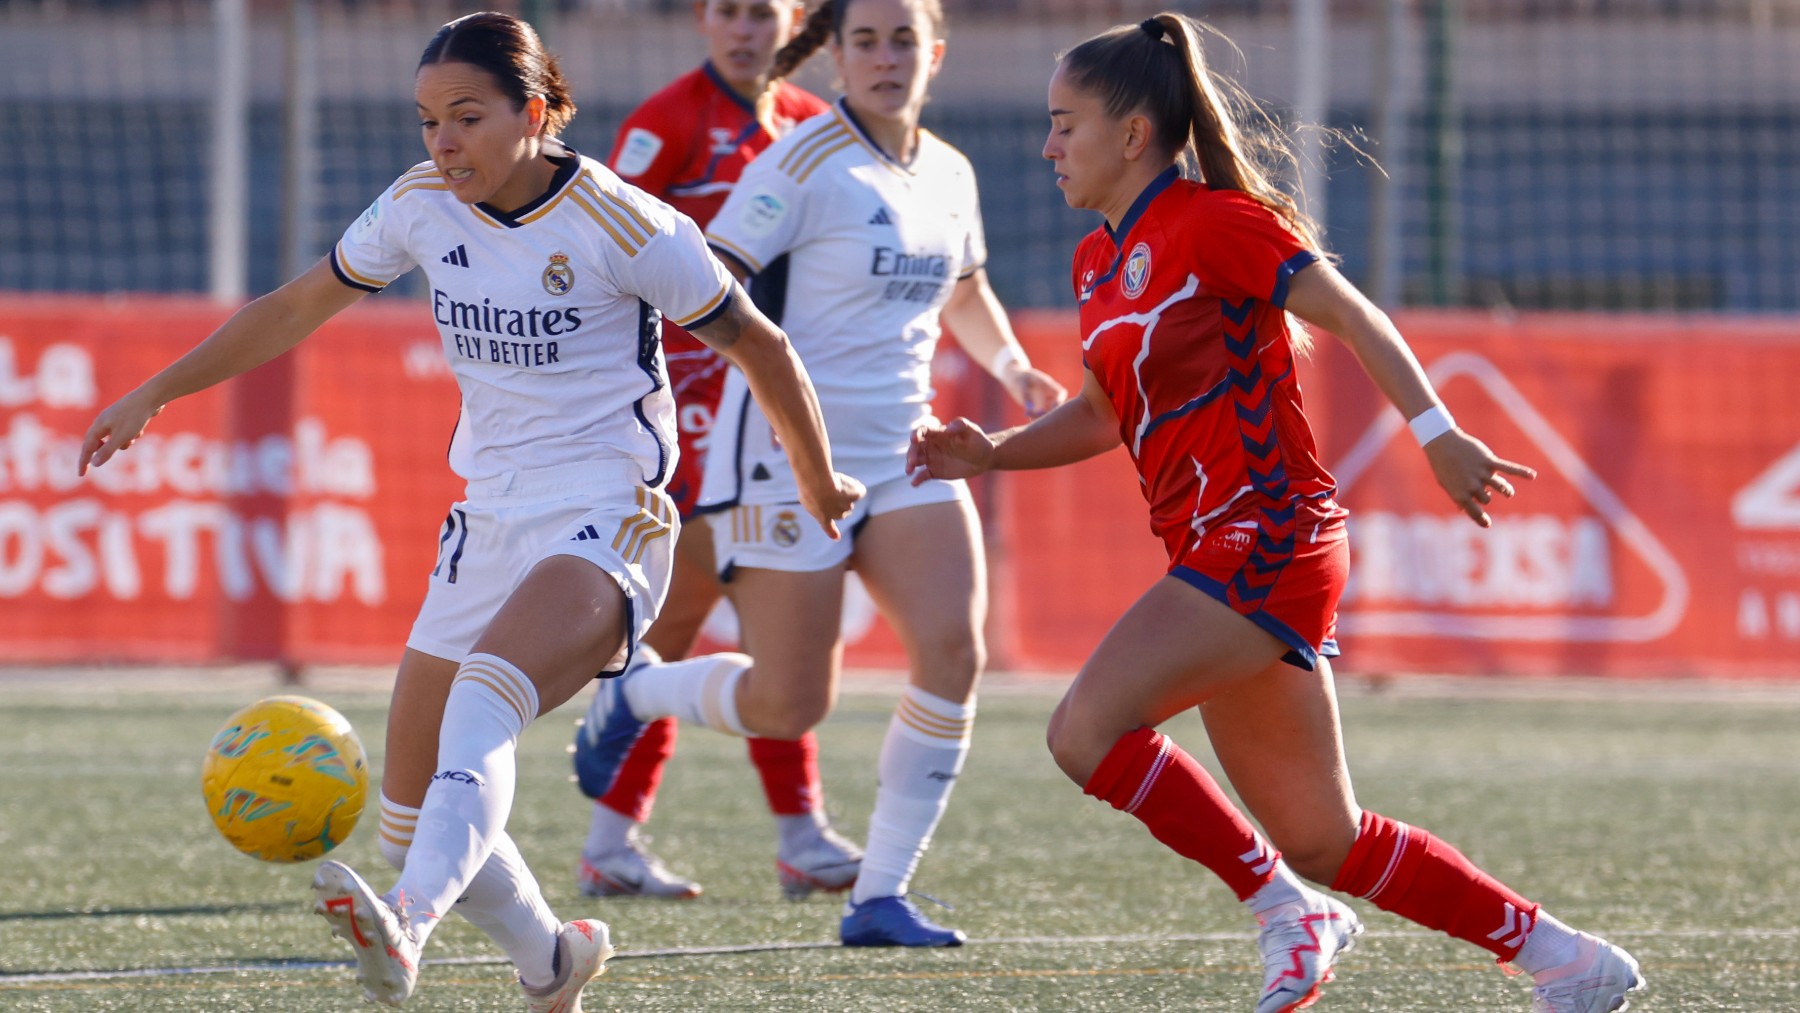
[(822, 22), (826, 21), (1158, 68)]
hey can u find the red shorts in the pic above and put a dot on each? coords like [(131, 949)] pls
[(1288, 583), (697, 379)]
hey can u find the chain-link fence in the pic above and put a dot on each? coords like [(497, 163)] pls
[(1584, 154)]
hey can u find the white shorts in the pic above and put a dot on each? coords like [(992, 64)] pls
[(602, 513), (783, 536)]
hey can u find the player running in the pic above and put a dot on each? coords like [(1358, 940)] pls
[(1184, 295), (866, 231), (549, 277), (688, 144)]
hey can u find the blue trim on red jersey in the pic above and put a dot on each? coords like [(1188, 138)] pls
[(1300, 653), (1286, 272), (1163, 181), (712, 74)]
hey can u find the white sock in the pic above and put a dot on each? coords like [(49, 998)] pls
[(1285, 888), (927, 742), (465, 808), (503, 900), (608, 831), (701, 691), (1550, 945)]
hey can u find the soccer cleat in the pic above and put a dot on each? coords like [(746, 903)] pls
[(606, 735), (893, 921), (829, 864), (1598, 980), (387, 955), (582, 949), (631, 871), (1300, 942)]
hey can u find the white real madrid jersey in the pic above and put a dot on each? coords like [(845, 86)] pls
[(869, 250), (550, 315)]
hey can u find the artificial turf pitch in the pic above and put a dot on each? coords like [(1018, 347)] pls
[(1668, 820)]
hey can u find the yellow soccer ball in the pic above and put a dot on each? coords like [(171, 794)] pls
[(285, 779)]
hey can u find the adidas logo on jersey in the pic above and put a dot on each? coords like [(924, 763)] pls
[(881, 217), (458, 257)]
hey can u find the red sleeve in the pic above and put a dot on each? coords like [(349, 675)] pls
[(650, 127), (1241, 249)]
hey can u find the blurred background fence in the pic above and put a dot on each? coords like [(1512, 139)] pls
[(1584, 154), (1586, 218)]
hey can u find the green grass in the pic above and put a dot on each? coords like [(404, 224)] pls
[(1670, 825)]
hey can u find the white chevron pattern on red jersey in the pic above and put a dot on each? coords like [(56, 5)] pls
[(1515, 928)]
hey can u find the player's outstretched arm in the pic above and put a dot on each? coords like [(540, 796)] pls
[(1081, 427), (785, 394), (979, 324), (260, 331), (1469, 472)]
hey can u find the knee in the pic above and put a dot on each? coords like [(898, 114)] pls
[(788, 715), (1071, 747), (954, 657)]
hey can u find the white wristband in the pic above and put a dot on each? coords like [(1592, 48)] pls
[(1008, 354), (1431, 423)]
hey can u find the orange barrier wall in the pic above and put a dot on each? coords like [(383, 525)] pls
[(294, 513)]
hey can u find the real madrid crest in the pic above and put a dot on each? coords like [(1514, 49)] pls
[(1137, 271), (786, 531), (559, 277)]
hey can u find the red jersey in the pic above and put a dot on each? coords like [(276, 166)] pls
[(687, 145), (1182, 325)]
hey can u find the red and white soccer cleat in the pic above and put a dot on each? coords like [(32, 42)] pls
[(1300, 942), (387, 955), (582, 949)]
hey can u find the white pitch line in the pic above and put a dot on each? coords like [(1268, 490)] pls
[(53, 977)]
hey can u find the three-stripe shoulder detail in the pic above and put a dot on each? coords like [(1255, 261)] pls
[(625, 224), (423, 176), (810, 152)]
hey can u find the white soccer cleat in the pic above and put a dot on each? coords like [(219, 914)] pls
[(582, 949), (387, 955), (829, 864), (631, 871), (1300, 942), (1598, 980)]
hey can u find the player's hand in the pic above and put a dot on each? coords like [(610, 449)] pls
[(116, 428), (961, 449), (1470, 472), (1035, 390), (828, 506)]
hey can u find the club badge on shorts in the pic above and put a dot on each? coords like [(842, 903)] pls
[(1137, 271), (559, 277), (786, 530)]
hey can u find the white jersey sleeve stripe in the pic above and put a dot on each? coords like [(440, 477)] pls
[(426, 183), (823, 156), (633, 213), (803, 150), (736, 251), (339, 261), (599, 200), (606, 223), (711, 307)]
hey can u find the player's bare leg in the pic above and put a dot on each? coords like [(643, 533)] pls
[(1174, 649), (924, 567)]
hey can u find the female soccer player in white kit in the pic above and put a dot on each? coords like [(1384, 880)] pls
[(869, 230), (548, 280)]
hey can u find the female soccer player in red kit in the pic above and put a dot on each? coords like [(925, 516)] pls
[(1184, 296), (688, 144)]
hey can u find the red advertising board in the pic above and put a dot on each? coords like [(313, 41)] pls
[(293, 514)]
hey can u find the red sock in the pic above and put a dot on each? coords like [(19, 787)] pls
[(1407, 871), (1152, 778), (790, 773), (633, 790)]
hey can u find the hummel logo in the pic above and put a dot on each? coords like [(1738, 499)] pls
[(458, 257), (881, 217)]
